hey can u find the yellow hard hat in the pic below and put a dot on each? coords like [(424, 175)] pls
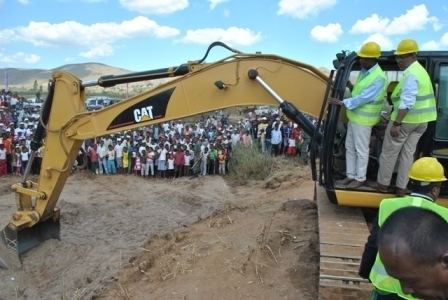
[(406, 46), (427, 169), (370, 50)]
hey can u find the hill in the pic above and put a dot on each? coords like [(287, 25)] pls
[(24, 78)]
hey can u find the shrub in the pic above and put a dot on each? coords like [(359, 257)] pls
[(248, 163)]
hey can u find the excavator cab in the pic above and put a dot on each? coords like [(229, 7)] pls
[(329, 157)]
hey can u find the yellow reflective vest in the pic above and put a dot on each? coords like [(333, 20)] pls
[(424, 109), (378, 275), (368, 114)]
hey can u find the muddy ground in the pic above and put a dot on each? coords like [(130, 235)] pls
[(124, 237)]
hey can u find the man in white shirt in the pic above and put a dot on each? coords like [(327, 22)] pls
[(119, 154), (102, 152), (276, 138)]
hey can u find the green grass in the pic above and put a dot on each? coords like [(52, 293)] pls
[(248, 163)]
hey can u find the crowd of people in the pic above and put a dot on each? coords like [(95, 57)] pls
[(18, 121), (204, 147), (166, 150)]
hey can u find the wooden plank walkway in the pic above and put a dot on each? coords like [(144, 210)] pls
[(342, 235)]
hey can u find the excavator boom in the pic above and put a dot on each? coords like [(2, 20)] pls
[(238, 80)]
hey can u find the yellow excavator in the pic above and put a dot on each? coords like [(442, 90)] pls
[(240, 79)]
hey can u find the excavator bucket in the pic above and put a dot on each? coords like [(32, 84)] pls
[(14, 243)]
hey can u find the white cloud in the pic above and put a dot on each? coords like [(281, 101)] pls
[(444, 39), (24, 2), (154, 7), (69, 59), (371, 24), (327, 34), (436, 45), (414, 19), (430, 45), (214, 3), (303, 8), (7, 35), (89, 37), (19, 57), (232, 36), (98, 51), (384, 42)]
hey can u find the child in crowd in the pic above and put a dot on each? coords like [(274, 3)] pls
[(111, 160), (143, 159), (24, 157), (125, 162), (187, 163), (204, 160), (16, 163), (137, 164), (93, 156), (292, 150), (170, 163), (222, 163), (150, 161)]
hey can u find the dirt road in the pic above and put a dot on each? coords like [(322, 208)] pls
[(123, 237)]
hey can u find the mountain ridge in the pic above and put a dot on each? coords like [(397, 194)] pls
[(24, 78)]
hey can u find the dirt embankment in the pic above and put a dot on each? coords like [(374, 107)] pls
[(123, 237)]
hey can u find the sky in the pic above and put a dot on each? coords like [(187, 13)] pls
[(141, 35)]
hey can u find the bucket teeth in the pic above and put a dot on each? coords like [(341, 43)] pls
[(14, 243), (9, 257)]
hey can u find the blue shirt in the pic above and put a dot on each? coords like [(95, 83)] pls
[(276, 136), (368, 94), (409, 91)]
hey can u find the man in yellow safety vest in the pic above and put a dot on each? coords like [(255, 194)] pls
[(363, 112), (414, 106), (410, 245)]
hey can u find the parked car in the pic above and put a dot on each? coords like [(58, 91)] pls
[(99, 102), (263, 110), (33, 102)]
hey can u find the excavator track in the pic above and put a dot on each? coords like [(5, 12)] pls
[(342, 235)]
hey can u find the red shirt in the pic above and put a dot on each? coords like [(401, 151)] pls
[(179, 158), (8, 145), (93, 155)]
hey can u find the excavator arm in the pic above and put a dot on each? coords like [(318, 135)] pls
[(238, 80)]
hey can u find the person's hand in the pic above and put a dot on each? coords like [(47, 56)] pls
[(335, 101), (395, 131), (350, 85)]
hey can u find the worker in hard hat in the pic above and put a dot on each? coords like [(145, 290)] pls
[(414, 106), (417, 255), (363, 112), (427, 176)]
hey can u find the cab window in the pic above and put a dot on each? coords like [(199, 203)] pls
[(442, 105)]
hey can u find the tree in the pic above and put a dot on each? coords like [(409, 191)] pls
[(35, 86)]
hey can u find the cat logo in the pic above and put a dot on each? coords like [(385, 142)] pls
[(143, 114)]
